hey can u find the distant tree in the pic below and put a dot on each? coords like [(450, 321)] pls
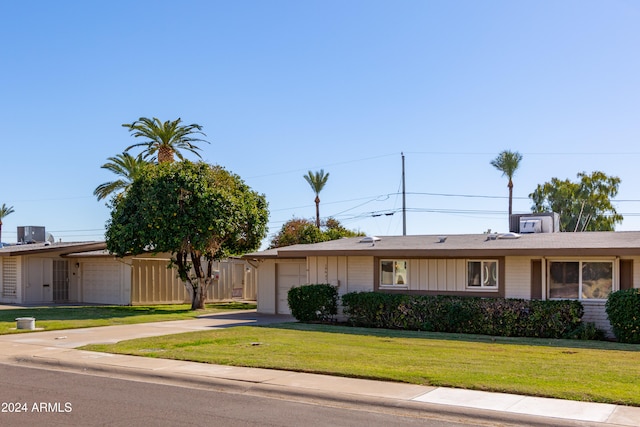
[(165, 139), (196, 212), (584, 205), (508, 162), (303, 231), (317, 182), (4, 211), (126, 167)]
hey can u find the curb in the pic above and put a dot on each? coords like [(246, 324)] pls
[(304, 395)]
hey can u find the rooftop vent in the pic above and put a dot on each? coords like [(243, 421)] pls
[(369, 239)]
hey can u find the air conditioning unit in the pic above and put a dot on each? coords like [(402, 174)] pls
[(543, 222), (31, 234), (530, 225)]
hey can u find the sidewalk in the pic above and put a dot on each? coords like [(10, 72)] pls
[(57, 348)]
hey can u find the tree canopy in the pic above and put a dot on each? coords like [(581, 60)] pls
[(508, 162), (584, 205), (317, 181), (165, 139), (303, 231), (194, 211), (4, 211), (126, 167)]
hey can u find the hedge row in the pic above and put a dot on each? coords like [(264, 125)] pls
[(469, 315), (623, 309)]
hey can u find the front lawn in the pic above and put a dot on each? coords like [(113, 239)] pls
[(55, 318), (579, 370)]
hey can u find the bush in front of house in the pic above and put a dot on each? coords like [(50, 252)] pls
[(469, 315), (313, 303), (623, 309)]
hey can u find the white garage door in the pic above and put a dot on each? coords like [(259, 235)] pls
[(289, 275), (102, 283)]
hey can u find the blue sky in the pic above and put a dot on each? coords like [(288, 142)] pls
[(282, 87)]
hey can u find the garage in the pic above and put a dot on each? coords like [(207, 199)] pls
[(289, 274), (102, 282)]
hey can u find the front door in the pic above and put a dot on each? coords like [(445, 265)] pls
[(60, 281)]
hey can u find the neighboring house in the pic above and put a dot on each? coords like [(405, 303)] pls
[(542, 265), (84, 272)]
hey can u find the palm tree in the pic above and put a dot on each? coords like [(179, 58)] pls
[(317, 182), (4, 211), (124, 165), (507, 162), (165, 139)]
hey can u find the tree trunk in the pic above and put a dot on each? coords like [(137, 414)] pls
[(510, 185), (199, 295), (318, 211)]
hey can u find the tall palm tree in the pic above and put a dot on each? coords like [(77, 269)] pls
[(4, 211), (317, 181), (126, 167), (507, 162), (166, 139)]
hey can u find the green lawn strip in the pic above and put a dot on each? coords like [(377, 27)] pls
[(55, 318), (601, 372)]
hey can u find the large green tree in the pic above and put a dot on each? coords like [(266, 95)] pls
[(584, 205), (508, 162), (302, 231), (165, 139), (4, 211), (317, 182), (126, 167), (196, 212)]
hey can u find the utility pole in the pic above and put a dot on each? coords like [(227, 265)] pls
[(404, 201)]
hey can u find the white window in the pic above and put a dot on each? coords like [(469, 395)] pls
[(393, 272), (482, 274), (580, 279)]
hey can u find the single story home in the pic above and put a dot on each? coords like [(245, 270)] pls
[(584, 266), (84, 272)]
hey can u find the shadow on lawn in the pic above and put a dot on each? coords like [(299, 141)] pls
[(484, 339), (85, 312)]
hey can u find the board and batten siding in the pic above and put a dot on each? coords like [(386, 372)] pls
[(437, 275), (517, 277), (350, 274)]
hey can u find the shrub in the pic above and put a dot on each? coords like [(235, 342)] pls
[(471, 315), (313, 303), (623, 309)]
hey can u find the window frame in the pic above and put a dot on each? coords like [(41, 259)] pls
[(481, 287), (581, 262), (394, 285)]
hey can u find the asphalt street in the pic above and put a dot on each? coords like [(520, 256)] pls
[(33, 396)]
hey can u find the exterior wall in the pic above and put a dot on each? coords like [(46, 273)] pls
[(266, 298), (437, 275), (594, 311), (517, 277), (359, 276)]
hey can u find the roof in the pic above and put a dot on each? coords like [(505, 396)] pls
[(39, 248), (471, 245)]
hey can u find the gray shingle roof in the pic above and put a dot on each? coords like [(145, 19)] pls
[(456, 245)]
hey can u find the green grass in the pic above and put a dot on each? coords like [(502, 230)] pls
[(55, 318), (578, 370)]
